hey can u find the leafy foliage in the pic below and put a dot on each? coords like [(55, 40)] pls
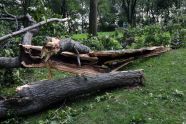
[(157, 22), (161, 100), (102, 43)]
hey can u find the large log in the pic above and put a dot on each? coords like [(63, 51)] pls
[(39, 95), (93, 62), (10, 62)]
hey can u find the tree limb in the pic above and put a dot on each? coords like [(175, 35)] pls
[(7, 18), (32, 27), (11, 15)]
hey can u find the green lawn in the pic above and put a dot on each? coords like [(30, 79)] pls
[(161, 101)]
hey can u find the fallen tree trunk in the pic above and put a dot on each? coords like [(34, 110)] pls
[(92, 63), (39, 95), (10, 62)]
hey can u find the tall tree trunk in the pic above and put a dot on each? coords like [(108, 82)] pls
[(82, 23), (64, 8), (82, 17), (129, 7), (93, 17), (25, 5)]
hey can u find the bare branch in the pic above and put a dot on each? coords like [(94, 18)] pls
[(32, 27), (11, 15), (7, 18)]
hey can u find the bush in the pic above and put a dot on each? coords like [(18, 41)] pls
[(183, 36), (139, 42), (110, 43), (172, 28), (150, 40), (102, 43), (179, 39), (163, 39), (93, 43), (153, 35), (158, 39), (152, 29)]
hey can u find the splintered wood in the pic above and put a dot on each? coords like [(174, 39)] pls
[(92, 63)]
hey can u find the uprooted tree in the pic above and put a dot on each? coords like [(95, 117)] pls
[(99, 70)]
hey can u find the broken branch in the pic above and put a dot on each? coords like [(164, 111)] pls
[(32, 27)]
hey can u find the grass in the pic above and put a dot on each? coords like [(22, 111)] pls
[(161, 101), (30, 75)]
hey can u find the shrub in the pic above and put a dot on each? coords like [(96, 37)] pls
[(93, 43), (179, 39), (139, 42), (110, 43), (157, 39), (163, 39), (172, 28), (150, 40), (152, 29), (183, 36), (102, 43), (138, 31)]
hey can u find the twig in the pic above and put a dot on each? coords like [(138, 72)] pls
[(11, 15), (7, 18)]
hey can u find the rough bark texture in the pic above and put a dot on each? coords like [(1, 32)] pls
[(39, 95), (9, 62), (93, 62), (93, 17), (27, 38)]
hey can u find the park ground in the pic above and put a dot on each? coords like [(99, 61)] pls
[(162, 100)]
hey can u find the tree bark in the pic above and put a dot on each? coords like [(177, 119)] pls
[(35, 97), (64, 8), (10, 62), (92, 63), (93, 17)]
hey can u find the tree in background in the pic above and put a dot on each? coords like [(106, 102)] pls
[(93, 17), (129, 9), (108, 11)]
